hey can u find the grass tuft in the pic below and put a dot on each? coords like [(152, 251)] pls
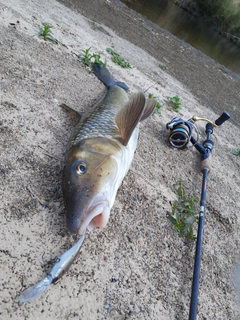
[(176, 103), (116, 58), (45, 33), (184, 215), (86, 57), (236, 152)]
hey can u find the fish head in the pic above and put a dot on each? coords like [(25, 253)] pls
[(89, 183)]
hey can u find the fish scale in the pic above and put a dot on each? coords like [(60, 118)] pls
[(100, 123)]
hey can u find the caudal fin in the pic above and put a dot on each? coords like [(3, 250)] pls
[(104, 75)]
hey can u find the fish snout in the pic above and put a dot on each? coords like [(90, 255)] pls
[(80, 219), (72, 225), (74, 215), (76, 203)]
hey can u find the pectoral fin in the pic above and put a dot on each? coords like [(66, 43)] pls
[(135, 110), (71, 110)]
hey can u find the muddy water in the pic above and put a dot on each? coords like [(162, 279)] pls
[(190, 29)]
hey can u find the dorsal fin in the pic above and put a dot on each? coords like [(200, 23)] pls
[(130, 115), (149, 108)]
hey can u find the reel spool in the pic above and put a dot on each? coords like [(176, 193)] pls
[(179, 137), (180, 132)]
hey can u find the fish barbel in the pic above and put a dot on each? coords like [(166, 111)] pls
[(100, 153)]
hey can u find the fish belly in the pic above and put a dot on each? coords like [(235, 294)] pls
[(124, 162)]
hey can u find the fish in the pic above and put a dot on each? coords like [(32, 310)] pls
[(57, 271), (100, 152)]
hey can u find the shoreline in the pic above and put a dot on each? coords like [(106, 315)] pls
[(191, 7)]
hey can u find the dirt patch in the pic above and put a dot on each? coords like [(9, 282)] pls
[(137, 267)]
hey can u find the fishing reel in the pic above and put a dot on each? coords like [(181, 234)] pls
[(181, 131)]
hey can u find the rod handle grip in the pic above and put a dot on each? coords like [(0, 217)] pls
[(224, 116), (206, 163)]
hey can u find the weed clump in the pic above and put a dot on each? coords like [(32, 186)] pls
[(175, 103), (86, 57), (184, 215), (236, 152), (116, 58)]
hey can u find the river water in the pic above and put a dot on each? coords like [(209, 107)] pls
[(190, 29)]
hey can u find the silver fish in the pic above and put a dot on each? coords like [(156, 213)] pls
[(100, 153), (57, 271)]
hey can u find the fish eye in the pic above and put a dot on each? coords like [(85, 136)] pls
[(81, 168)]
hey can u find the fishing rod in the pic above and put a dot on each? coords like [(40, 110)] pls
[(181, 134)]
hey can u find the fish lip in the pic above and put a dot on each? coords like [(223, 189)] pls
[(100, 205)]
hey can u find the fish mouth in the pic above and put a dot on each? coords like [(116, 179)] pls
[(97, 215)]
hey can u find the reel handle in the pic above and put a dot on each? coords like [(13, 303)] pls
[(224, 117)]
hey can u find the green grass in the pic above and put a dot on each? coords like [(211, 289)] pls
[(45, 33), (176, 103), (184, 215), (158, 105), (87, 57), (116, 58), (236, 152), (97, 59), (223, 13)]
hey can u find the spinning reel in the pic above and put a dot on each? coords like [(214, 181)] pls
[(181, 131)]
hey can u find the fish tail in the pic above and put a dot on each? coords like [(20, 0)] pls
[(122, 85), (104, 75)]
